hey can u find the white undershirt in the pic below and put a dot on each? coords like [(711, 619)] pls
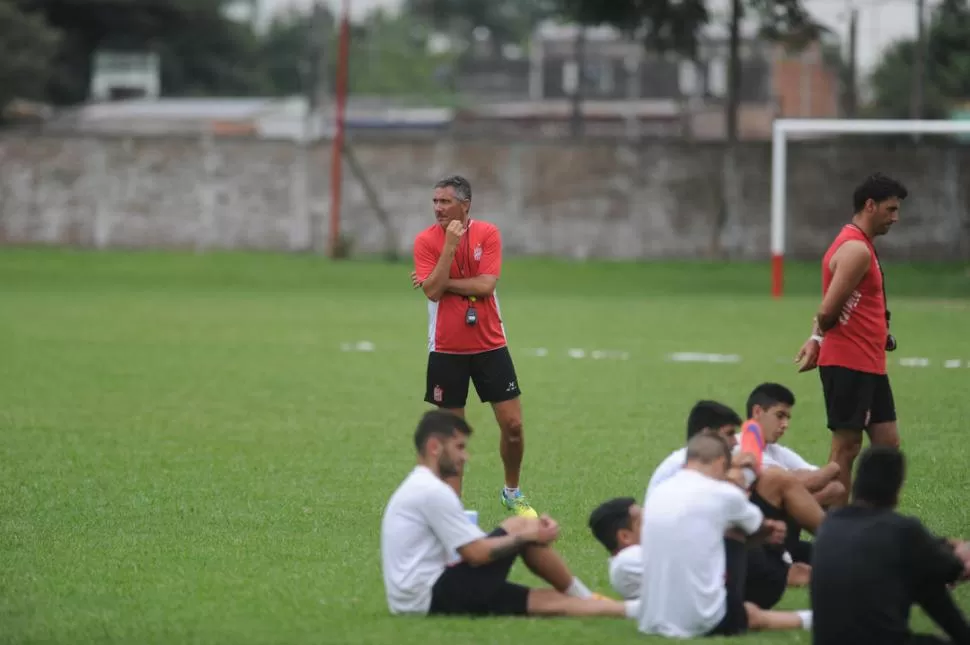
[(682, 590), (423, 522)]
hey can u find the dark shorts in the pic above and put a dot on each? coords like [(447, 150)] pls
[(735, 619), (855, 400), (492, 373), (767, 567), (464, 590)]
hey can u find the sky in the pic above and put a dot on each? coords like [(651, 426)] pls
[(880, 21)]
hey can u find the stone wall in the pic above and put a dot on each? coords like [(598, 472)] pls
[(588, 200)]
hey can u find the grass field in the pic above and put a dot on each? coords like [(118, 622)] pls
[(189, 455)]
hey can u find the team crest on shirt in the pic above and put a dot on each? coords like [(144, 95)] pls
[(478, 253)]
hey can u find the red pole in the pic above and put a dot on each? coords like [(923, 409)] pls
[(777, 275), (336, 163)]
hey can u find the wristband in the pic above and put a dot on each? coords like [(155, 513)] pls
[(817, 338)]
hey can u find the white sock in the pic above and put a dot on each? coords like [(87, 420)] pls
[(632, 608), (511, 492), (578, 590), (806, 616)]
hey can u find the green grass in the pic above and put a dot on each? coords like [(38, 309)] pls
[(189, 457)]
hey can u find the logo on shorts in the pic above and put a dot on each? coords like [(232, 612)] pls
[(478, 253), (438, 394)]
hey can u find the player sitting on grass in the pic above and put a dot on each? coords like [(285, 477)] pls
[(696, 528), (778, 493), (616, 525), (872, 564), (424, 522), (769, 406), (775, 399)]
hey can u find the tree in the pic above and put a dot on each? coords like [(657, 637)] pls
[(674, 25), (507, 21), (27, 47), (203, 52), (947, 70)]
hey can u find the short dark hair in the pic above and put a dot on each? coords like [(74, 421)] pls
[(879, 477), (710, 414), (461, 186), (708, 448), (608, 518), (877, 187), (768, 395), (441, 424)]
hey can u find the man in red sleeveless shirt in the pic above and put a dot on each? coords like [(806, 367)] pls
[(850, 335), (457, 263)]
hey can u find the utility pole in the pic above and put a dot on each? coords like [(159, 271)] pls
[(579, 60), (852, 82), (919, 62)]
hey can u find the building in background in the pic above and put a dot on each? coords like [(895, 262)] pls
[(627, 88), (119, 75)]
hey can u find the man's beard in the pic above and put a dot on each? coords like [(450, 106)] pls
[(446, 467)]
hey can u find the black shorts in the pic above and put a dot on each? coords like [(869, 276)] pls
[(767, 576), (767, 567), (855, 400), (464, 590), (735, 619), (492, 373)]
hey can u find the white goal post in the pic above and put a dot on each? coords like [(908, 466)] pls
[(780, 131)]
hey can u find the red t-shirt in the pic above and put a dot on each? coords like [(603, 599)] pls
[(479, 252), (858, 340)]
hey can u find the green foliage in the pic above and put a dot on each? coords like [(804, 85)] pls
[(389, 56), (27, 47), (947, 75), (674, 25), (508, 21)]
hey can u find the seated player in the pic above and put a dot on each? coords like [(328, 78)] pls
[(695, 529), (822, 482), (616, 525), (779, 493), (769, 408), (872, 564), (424, 521)]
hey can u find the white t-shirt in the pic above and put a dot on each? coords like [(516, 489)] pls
[(773, 455), (626, 572), (782, 457), (682, 593), (424, 521), (669, 467)]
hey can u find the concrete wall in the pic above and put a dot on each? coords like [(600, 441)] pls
[(592, 200)]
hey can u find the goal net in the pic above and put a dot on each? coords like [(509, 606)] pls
[(945, 236)]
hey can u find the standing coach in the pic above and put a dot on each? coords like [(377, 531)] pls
[(850, 334), (457, 263)]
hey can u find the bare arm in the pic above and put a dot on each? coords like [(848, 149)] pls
[(435, 285), (489, 549), (850, 264), (816, 480), (481, 286), (533, 531)]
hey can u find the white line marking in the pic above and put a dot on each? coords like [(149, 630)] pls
[(700, 357), (914, 362), (577, 353), (539, 351), (952, 363), (359, 346)]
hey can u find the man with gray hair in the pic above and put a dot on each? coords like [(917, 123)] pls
[(457, 263)]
